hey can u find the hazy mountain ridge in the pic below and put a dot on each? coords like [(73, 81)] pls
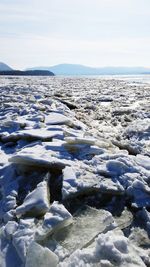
[(5, 67), (75, 69), (6, 70)]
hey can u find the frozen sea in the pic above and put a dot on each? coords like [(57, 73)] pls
[(75, 171), (131, 78)]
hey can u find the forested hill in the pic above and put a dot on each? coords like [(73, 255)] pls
[(27, 73)]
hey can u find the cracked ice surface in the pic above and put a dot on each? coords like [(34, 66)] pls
[(74, 172)]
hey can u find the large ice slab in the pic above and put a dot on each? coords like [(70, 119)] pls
[(39, 256), (40, 156), (56, 118), (33, 134), (87, 224), (8, 254)]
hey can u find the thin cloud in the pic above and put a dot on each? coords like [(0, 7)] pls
[(92, 32)]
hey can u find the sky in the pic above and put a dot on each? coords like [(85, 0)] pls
[(89, 32)]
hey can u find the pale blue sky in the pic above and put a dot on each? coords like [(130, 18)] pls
[(90, 32)]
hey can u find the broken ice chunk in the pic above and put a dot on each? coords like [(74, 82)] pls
[(10, 228), (80, 140), (56, 218), (69, 175), (21, 240), (8, 254), (107, 186), (68, 132), (82, 150), (139, 193), (143, 161), (56, 118), (34, 134), (40, 256), (69, 182), (144, 216), (36, 203), (9, 216), (125, 219), (10, 203), (117, 167), (139, 237), (115, 247)]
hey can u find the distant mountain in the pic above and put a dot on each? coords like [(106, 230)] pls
[(27, 73), (74, 69), (4, 67)]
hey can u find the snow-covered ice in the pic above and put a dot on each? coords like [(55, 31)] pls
[(74, 172)]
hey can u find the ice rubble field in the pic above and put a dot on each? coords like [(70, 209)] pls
[(74, 172)]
